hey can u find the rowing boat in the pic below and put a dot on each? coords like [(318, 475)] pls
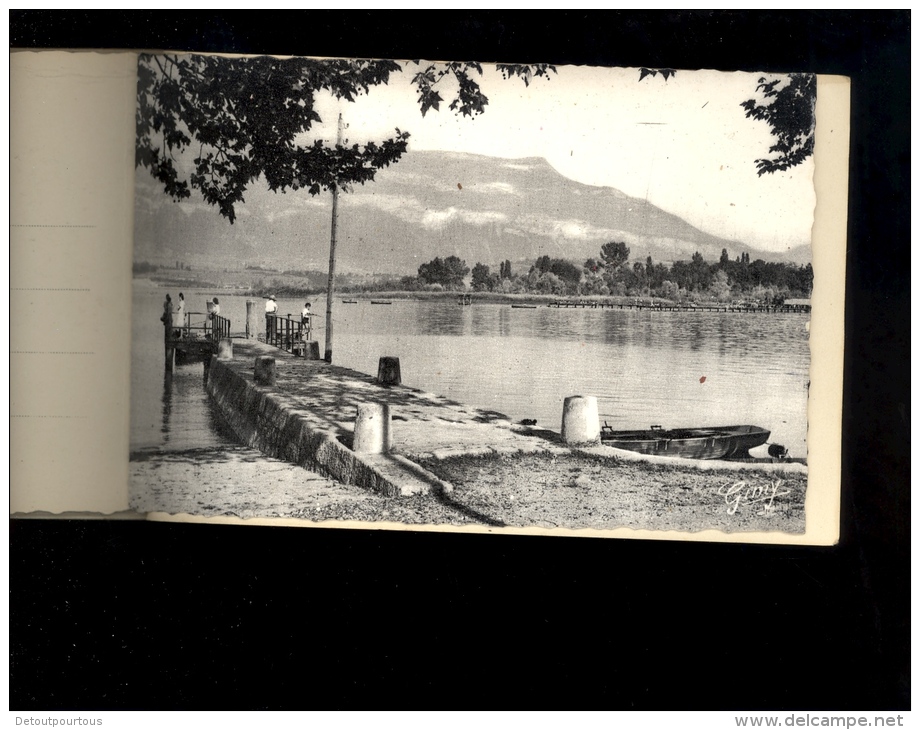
[(721, 442)]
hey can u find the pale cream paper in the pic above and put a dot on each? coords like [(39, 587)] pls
[(93, 478), (71, 229)]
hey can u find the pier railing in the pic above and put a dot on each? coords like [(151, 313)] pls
[(287, 332), (202, 325), (195, 339), (220, 327)]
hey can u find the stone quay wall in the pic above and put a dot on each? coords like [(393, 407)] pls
[(263, 420)]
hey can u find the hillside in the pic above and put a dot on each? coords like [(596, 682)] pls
[(429, 204)]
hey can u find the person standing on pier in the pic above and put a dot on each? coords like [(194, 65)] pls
[(271, 307), (306, 323), (179, 320), (167, 317), (213, 312)]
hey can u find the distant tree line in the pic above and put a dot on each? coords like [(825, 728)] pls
[(447, 274), (143, 267), (611, 273)]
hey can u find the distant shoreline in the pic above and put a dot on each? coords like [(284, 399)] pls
[(399, 295), (523, 299)]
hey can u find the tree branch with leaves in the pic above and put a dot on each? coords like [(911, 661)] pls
[(787, 104), (251, 117)]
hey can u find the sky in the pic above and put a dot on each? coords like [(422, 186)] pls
[(683, 144)]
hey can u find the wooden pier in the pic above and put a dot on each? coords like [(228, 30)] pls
[(196, 339), (291, 335), (746, 308)]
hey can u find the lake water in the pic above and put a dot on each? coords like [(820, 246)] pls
[(676, 369)]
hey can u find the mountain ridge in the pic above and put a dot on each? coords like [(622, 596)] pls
[(480, 208)]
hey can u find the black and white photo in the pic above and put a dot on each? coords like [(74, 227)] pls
[(460, 294)]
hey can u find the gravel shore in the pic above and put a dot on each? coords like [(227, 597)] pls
[(578, 491), (541, 490)]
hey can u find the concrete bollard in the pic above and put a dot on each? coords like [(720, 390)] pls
[(251, 321), (372, 429), (388, 371), (225, 349), (580, 421), (265, 370)]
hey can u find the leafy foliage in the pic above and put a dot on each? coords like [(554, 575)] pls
[(448, 272), (469, 100), (566, 271), (789, 109), (614, 254), (788, 106), (250, 117), (481, 277), (666, 73), (244, 116), (695, 280), (526, 72)]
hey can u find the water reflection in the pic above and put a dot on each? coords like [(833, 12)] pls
[(644, 366), (504, 321), (695, 335), (166, 409), (616, 330), (447, 320)]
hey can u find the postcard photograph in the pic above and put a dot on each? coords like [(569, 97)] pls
[(448, 295)]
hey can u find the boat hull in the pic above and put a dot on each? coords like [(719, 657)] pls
[(722, 442)]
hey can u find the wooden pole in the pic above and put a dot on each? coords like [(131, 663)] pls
[(250, 319), (330, 287)]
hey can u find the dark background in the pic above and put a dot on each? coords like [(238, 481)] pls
[(153, 616)]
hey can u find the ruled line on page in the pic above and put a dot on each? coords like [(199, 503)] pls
[(17, 415)]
